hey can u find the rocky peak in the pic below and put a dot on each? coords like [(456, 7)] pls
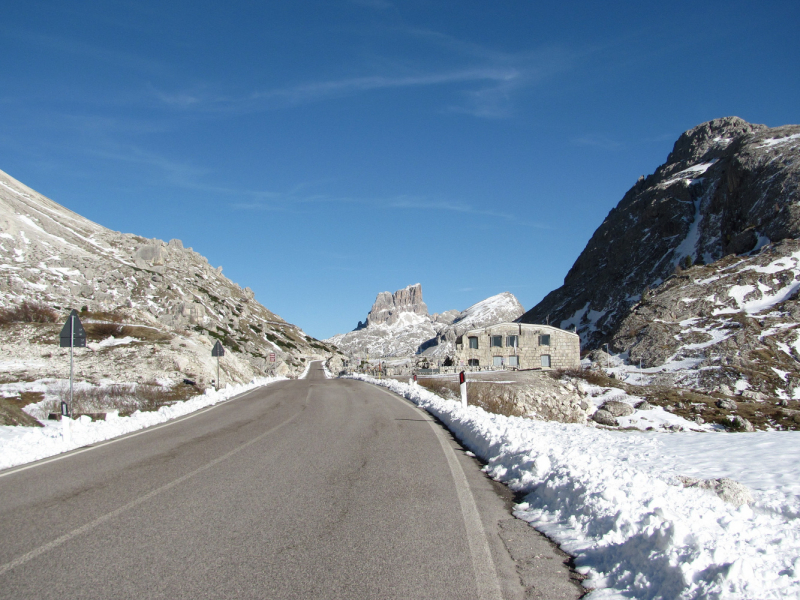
[(709, 139), (388, 307)]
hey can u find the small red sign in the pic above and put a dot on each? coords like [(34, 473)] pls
[(271, 357)]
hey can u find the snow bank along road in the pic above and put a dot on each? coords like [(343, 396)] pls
[(302, 489)]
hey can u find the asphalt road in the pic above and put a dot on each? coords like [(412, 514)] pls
[(306, 489)]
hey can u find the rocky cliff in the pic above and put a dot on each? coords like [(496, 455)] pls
[(389, 308), (158, 307), (399, 325), (727, 188)]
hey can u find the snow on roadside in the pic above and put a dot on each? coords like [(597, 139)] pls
[(611, 499), (304, 374), (19, 445)]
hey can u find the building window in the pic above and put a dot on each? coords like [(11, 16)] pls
[(544, 340), (513, 361), (546, 361), (512, 341), (473, 362), (497, 361), (473, 343), (497, 341)]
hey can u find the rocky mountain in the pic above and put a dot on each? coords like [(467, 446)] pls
[(399, 325), (152, 309), (728, 188)]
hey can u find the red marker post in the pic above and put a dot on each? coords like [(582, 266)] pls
[(462, 381)]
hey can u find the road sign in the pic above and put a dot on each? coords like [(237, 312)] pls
[(218, 351), (271, 357), (72, 335)]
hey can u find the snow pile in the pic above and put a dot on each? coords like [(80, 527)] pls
[(612, 499), (19, 445)]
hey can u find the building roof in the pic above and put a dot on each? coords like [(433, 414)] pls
[(524, 327)]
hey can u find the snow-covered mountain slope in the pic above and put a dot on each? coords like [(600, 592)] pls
[(399, 325), (732, 326), (53, 256), (727, 188), (502, 308)]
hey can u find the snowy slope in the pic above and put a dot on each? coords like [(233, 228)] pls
[(730, 326)]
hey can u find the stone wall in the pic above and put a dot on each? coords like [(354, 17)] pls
[(564, 347)]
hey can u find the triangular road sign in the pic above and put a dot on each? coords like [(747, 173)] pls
[(73, 333), (218, 350)]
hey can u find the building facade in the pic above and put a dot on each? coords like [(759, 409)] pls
[(520, 346)]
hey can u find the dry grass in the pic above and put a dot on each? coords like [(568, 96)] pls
[(11, 412), (102, 315), (101, 331), (28, 312), (491, 397), (126, 398)]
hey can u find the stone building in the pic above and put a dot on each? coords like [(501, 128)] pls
[(520, 346)]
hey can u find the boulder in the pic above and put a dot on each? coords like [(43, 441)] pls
[(729, 490), (739, 423), (603, 417), (726, 404), (644, 405), (618, 409)]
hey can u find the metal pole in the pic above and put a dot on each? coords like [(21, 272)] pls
[(217, 373), (71, 344)]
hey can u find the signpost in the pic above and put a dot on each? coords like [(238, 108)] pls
[(271, 357), (218, 351), (462, 381), (72, 335)]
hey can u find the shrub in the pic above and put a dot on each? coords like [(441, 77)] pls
[(28, 312)]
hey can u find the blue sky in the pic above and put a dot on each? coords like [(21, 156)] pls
[(322, 152)]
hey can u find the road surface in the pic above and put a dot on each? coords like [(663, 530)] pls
[(308, 489)]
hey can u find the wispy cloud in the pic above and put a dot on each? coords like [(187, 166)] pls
[(484, 82), (316, 91)]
